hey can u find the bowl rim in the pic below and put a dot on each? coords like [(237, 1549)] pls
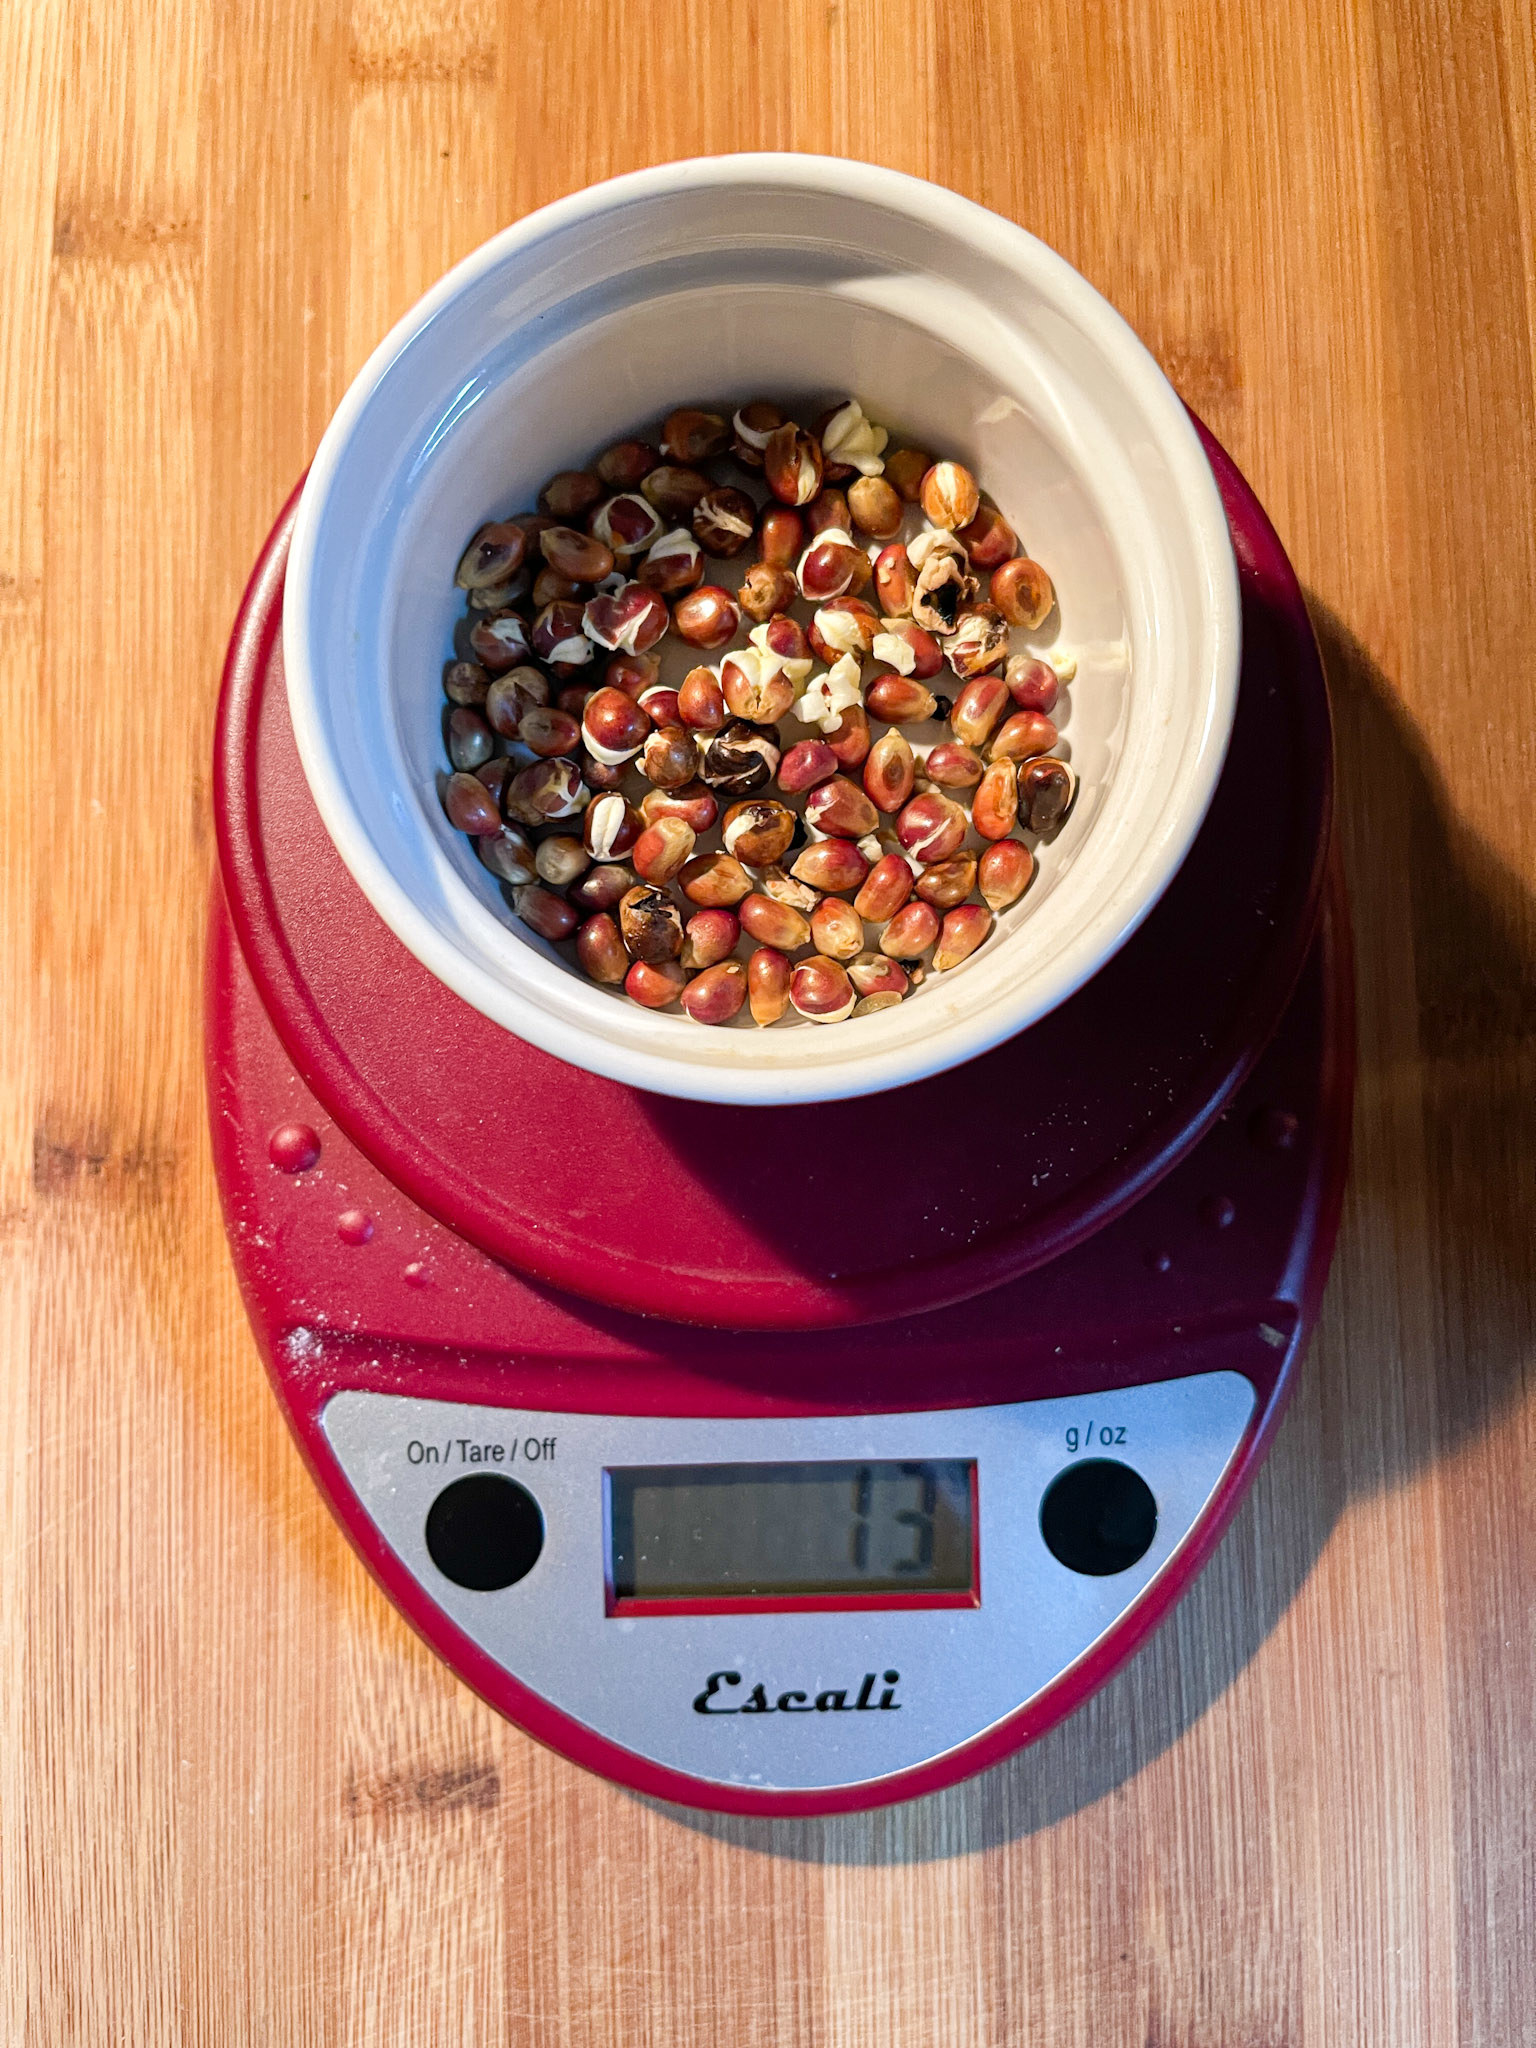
[(947, 214)]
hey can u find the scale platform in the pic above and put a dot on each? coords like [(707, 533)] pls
[(789, 1460)]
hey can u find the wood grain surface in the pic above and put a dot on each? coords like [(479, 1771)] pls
[(238, 1801)]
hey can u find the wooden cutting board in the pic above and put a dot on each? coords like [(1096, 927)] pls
[(238, 1801)]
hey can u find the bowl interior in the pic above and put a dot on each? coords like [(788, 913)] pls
[(591, 322)]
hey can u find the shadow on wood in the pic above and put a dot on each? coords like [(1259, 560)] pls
[(1442, 1180)]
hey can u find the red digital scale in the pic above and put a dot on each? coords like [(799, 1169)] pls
[(789, 1460)]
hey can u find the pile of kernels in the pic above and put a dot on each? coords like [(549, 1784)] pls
[(846, 855)]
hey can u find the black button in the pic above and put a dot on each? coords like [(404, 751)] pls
[(1098, 1517), (485, 1532)]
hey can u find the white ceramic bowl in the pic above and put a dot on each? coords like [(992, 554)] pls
[(716, 281)]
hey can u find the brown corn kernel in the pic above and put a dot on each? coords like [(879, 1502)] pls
[(651, 925), (1022, 592), (601, 888), (781, 536), (926, 655), (1047, 790), (870, 1006), (632, 673), (906, 470), (656, 984), (1033, 684), (508, 854), (708, 936), (764, 590), (579, 557), (828, 509), (995, 806), (626, 464), (889, 774), (1003, 872), (693, 803), (716, 995), (470, 806), (900, 700), (690, 435), (560, 859), (977, 709), (659, 704), (1021, 737), (499, 640), (611, 827), (833, 864), (751, 426), (768, 973), (628, 620), (828, 569), (876, 507), (911, 931), (601, 951), (570, 494), (613, 726), (841, 809), (961, 933), (670, 757), (629, 524), (673, 565), (701, 701), (544, 793), (599, 775), (559, 639), (673, 492), (723, 521), (758, 830), (706, 617), (741, 758), (837, 929), (895, 581), (885, 890), (949, 495), (715, 881), (465, 682), (548, 732), (873, 974), (550, 916), (819, 989), (662, 850), (948, 882), (495, 554), (511, 697), (849, 738), (773, 924), (953, 766), (989, 540), (792, 464), (932, 827), (471, 742), (550, 588), (807, 763)]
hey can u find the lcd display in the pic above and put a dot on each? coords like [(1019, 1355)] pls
[(777, 1532)]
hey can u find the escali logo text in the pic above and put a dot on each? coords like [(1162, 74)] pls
[(713, 1700)]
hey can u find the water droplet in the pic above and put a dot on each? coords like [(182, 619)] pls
[(293, 1148)]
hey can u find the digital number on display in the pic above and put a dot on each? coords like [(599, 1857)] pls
[(791, 1531)]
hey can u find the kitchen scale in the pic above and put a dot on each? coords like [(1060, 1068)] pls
[(789, 1460)]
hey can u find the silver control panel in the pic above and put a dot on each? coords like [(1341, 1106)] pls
[(504, 1516)]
